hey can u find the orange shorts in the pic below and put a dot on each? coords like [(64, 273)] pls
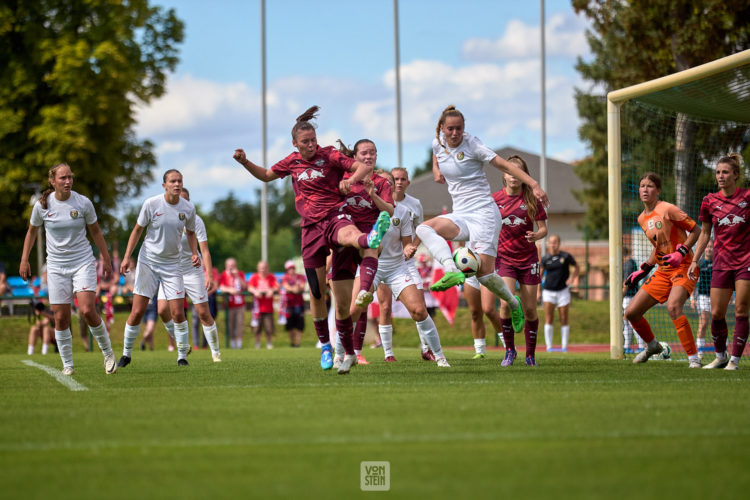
[(661, 282)]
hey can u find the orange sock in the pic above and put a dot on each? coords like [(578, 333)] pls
[(686, 335), (643, 329)]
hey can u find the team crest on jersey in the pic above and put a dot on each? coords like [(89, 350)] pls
[(742, 204), (460, 156), (74, 214), (182, 216), (395, 221), (658, 224), (320, 162), (523, 206)]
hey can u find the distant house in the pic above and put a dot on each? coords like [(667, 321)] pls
[(565, 212)]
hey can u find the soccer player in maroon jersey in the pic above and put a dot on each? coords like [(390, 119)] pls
[(319, 189), (728, 212), (364, 203), (518, 259)]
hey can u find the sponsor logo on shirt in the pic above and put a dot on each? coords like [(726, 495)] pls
[(718, 207), (512, 220), (358, 201), (74, 214), (182, 216), (460, 156), (51, 214), (344, 216), (731, 220), (157, 214), (310, 175)]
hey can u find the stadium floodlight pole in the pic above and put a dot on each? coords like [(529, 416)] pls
[(543, 156), (263, 187), (615, 101), (398, 84)]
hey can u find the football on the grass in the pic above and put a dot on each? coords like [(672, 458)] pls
[(466, 261)]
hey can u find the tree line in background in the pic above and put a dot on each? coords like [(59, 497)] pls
[(640, 40)]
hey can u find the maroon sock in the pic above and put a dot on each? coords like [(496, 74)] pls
[(740, 336), (360, 328), (362, 241), (719, 334), (529, 330), (508, 335), (367, 270), (344, 327), (321, 329)]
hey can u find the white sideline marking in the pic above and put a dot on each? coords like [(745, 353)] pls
[(65, 380)]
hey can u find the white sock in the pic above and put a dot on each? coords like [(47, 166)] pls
[(565, 334), (131, 333), (549, 332), (102, 337), (428, 329), (212, 337), (735, 360), (500, 336), (169, 325), (722, 355), (30, 350), (181, 337), (421, 339), (693, 357), (358, 352), (45, 348), (480, 346), (338, 350), (627, 334), (496, 285), (437, 246), (386, 338), (65, 346), (700, 342)]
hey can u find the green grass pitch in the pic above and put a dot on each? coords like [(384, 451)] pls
[(272, 424)]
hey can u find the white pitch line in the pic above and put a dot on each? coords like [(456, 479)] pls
[(65, 380)]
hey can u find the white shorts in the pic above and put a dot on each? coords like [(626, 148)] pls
[(560, 298), (473, 282), (64, 282), (194, 280), (482, 228), (395, 278), (412, 268), (148, 274), (703, 304)]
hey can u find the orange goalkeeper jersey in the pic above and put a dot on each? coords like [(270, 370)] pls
[(666, 227)]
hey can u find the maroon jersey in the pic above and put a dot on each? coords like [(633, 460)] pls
[(315, 182), (729, 217), (512, 246), (358, 203), (293, 299)]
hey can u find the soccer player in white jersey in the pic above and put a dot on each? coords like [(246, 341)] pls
[(197, 281), (71, 266), (458, 159), (416, 217), (164, 217), (400, 284)]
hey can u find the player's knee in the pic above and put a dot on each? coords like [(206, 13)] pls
[(674, 310), (312, 280), (419, 313), (476, 314)]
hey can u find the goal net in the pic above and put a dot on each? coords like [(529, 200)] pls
[(677, 126)]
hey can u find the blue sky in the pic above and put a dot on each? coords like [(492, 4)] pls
[(481, 55)]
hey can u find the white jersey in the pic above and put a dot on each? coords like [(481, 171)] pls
[(392, 255), (65, 223), (164, 225), (463, 169), (186, 256), (415, 208)]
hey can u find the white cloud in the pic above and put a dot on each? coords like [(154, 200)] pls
[(564, 37), (170, 147)]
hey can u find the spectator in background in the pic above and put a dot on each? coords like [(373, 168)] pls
[(293, 285), (701, 299), (233, 283), (43, 325), (556, 290), (212, 308), (263, 286), (4, 286), (629, 266)]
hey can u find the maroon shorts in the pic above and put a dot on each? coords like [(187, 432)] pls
[(344, 263), (725, 278), (525, 275), (319, 238)]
